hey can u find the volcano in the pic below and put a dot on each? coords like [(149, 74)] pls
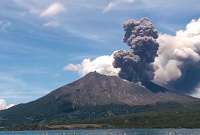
[(94, 96), (96, 89)]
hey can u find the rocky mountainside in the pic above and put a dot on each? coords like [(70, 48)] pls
[(96, 89), (93, 95)]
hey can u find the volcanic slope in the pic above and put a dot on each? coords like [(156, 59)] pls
[(94, 94)]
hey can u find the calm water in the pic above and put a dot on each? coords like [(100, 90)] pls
[(110, 132)]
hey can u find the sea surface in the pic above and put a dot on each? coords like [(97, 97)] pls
[(109, 132)]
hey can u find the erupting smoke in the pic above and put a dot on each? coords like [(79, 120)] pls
[(178, 61), (170, 60), (136, 64)]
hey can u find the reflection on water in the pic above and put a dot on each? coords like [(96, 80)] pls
[(110, 132)]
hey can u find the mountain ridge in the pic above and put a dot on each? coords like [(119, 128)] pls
[(99, 89), (95, 96)]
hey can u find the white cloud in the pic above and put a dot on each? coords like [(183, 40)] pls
[(4, 105), (52, 10), (73, 67), (115, 4), (177, 51), (102, 64), (47, 11)]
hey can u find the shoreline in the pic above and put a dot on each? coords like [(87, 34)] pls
[(82, 127)]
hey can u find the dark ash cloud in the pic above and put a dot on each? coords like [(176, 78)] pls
[(136, 63)]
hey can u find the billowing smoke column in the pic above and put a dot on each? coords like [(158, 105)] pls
[(177, 65), (136, 64), (178, 61)]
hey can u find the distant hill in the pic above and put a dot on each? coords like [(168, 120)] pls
[(96, 97)]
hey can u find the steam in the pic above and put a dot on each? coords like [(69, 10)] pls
[(102, 64), (178, 53), (136, 64)]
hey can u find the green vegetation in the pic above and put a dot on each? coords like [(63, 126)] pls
[(156, 120), (84, 105), (168, 115)]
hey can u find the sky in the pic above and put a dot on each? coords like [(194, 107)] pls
[(39, 38)]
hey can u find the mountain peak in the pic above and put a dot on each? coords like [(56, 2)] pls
[(92, 91), (94, 74), (98, 89)]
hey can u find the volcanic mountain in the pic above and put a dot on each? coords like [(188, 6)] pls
[(93, 96), (96, 89)]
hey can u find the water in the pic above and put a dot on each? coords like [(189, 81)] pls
[(109, 132)]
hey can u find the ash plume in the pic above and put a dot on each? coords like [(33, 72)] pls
[(178, 61), (136, 63), (168, 60)]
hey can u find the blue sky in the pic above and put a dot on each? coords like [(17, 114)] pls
[(38, 38)]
